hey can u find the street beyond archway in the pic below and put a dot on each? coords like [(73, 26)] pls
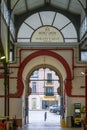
[(38, 117), (36, 122)]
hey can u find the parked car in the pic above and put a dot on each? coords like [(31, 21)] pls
[(55, 109), (52, 107)]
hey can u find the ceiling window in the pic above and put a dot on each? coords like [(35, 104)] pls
[(6, 16), (83, 28), (83, 56)]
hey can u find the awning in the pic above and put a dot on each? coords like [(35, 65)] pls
[(49, 99)]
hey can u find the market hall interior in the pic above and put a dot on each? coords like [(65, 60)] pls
[(43, 61)]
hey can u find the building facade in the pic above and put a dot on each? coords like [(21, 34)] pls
[(44, 85)]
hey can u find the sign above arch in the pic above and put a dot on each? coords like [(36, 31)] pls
[(47, 34)]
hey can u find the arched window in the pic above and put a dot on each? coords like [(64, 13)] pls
[(47, 22)]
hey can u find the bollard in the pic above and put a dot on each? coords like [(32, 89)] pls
[(63, 123)]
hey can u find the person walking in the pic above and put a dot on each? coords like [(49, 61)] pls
[(45, 116)]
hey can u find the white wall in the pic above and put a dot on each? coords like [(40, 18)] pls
[(16, 108)]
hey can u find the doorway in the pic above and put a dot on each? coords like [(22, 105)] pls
[(52, 61), (44, 97)]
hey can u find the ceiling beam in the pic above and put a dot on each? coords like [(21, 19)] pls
[(26, 4), (15, 5), (69, 2), (83, 6), (47, 2)]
